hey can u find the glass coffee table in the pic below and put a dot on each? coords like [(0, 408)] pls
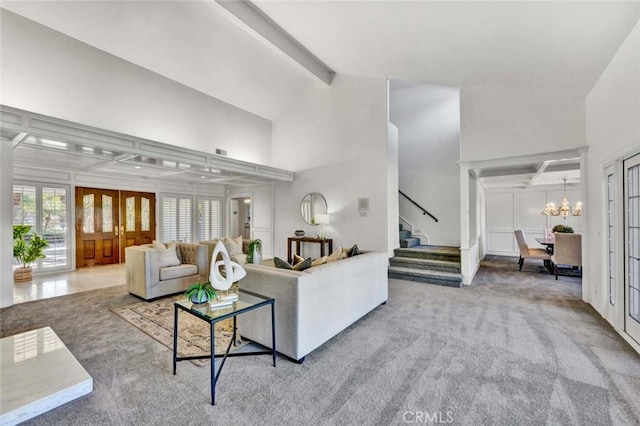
[(247, 301)]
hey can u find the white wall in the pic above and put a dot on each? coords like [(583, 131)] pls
[(428, 121), (6, 224), (335, 139), (507, 211), (500, 122), (393, 207), (613, 133), (50, 73)]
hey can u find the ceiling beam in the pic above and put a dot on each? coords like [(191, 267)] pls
[(253, 20), (539, 172)]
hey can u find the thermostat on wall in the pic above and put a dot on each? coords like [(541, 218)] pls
[(363, 206)]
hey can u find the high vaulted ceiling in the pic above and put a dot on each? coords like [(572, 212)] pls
[(562, 45), (555, 44), (552, 44)]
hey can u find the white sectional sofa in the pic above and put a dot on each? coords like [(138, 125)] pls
[(313, 305)]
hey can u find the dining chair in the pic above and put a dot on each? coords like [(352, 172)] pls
[(527, 252), (567, 251)]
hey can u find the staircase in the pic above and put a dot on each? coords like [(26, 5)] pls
[(406, 240), (428, 264)]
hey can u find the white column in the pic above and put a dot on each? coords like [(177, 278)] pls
[(465, 265), (6, 223), (588, 288)]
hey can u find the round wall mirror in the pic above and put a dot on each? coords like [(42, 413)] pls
[(312, 204)]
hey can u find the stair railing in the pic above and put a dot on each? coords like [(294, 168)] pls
[(424, 211)]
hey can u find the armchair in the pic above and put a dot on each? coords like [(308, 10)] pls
[(147, 279)]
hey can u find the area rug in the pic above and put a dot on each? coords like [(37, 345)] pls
[(156, 319)]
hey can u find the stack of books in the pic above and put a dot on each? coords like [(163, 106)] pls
[(224, 300)]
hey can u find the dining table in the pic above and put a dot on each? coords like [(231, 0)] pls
[(547, 242)]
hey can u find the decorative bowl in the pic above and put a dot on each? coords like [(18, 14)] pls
[(299, 233)]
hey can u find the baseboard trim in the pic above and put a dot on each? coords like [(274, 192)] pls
[(635, 345)]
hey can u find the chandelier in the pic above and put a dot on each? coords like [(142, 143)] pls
[(564, 209)]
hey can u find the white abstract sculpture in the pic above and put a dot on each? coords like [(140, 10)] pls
[(232, 271)]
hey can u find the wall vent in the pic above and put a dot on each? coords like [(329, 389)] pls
[(221, 152)]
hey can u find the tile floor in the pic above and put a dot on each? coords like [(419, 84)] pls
[(59, 284)]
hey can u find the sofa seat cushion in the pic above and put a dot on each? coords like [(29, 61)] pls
[(173, 272)]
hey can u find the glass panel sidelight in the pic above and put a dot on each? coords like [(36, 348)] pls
[(54, 226), (632, 245), (130, 214), (145, 214), (88, 225), (611, 239), (107, 213), (45, 209), (24, 205)]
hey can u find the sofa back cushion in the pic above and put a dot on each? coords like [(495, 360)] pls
[(188, 253)]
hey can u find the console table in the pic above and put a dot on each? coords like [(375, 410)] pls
[(300, 240)]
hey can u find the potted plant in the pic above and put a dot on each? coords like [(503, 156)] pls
[(563, 229), (26, 251), (254, 251), (200, 293)]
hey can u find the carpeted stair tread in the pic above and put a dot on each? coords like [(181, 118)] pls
[(409, 242), (430, 277), (405, 234), (429, 252), (429, 264)]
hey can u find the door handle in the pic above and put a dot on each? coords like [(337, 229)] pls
[(121, 229), (116, 230)]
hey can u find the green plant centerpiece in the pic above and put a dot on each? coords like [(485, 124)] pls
[(254, 251), (26, 250), (562, 229), (199, 293)]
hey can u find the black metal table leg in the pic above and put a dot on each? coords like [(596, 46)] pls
[(273, 331), (234, 330), (213, 365), (175, 338)]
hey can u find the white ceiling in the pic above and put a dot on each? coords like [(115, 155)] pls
[(559, 44), (562, 45), (190, 42)]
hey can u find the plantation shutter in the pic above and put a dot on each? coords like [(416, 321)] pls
[(209, 218), (176, 218)]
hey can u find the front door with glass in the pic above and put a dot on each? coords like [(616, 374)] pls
[(107, 221)]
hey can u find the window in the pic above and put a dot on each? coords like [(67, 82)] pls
[(46, 209), (176, 218), (209, 218)]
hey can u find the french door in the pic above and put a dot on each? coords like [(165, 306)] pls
[(632, 246), (107, 221)]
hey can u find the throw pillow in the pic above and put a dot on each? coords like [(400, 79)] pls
[(233, 248), (336, 255), (297, 259), (281, 263), (168, 255), (238, 240), (319, 261), (301, 266), (353, 251)]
